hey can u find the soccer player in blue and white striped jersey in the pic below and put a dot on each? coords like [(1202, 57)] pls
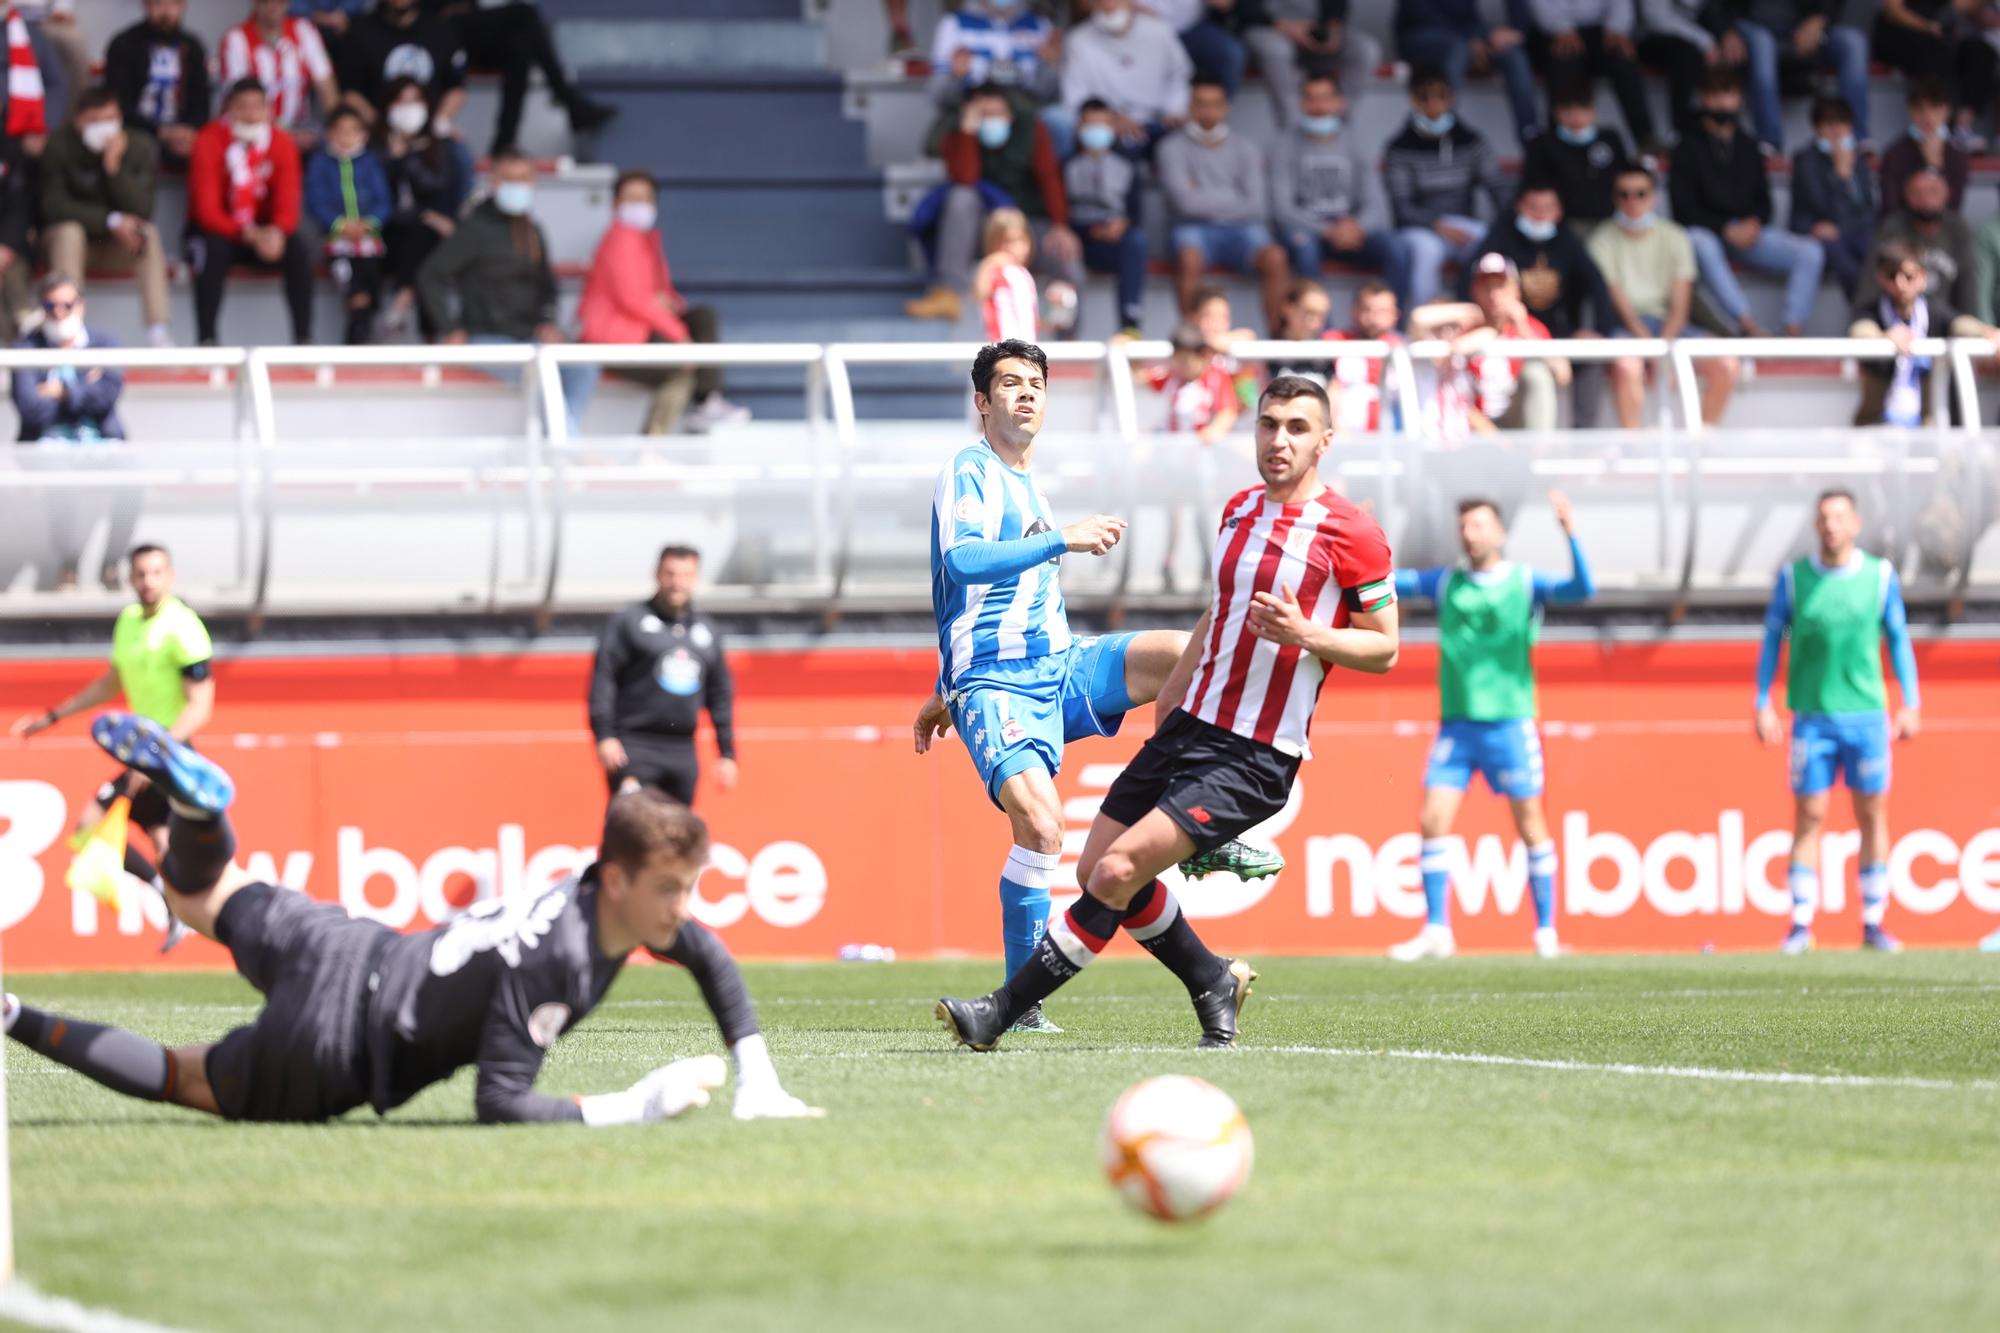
[(1012, 679)]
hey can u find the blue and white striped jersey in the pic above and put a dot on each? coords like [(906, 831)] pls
[(995, 550)]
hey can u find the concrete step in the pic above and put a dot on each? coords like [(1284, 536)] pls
[(776, 124), (590, 44), (837, 222)]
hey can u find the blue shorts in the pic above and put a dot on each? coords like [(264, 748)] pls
[(1852, 746), (1508, 753), (1014, 716), (1225, 245)]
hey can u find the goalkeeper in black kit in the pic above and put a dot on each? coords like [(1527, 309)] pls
[(357, 1014)]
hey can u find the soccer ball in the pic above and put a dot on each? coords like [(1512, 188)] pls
[(1176, 1147)]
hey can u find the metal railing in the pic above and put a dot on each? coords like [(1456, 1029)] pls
[(842, 503)]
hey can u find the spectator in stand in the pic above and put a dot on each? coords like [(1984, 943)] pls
[(1809, 33), (1295, 40), (1133, 63), (1434, 169), (1898, 305), (243, 208), (1939, 238), (1927, 144), (396, 40), (1449, 36), (1575, 41), (1512, 394), (1685, 39), (159, 70), (59, 55), (1723, 197), (1833, 193), (1648, 267), (17, 219), (347, 194), (73, 406), (1580, 157), (629, 297), (1559, 282), (1307, 310), (1357, 380), (1205, 31), (334, 19), (491, 280), (1210, 312), (1220, 200), (1009, 305), (1201, 400), (1003, 42), (1326, 195), (1100, 185), (515, 39), (1926, 39), (993, 158), (287, 57), (430, 178), (98, 184)]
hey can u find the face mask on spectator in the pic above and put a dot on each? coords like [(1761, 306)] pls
[(257, 136), (409, 117), (994, 131), (1536, 229), (98, 134), (1097, 138), (69, 328), (1320, 126), (1435, 126), (1214, 136), (514, 198), (1117, 22), (1926, 215), (1644, 222), (1845, 143), (638, 215), (1588, 134), (1003, 6), (1920, 134)]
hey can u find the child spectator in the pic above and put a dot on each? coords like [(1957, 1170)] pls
[(1927, 145), (1211, 314), (1897, 393), (1581, 158), (1201, 400), (1100, 183), (430, 178), (1833, 193), (1307, 309), (1777, 31), (1357, 380), (1002, 284), (347, 194)]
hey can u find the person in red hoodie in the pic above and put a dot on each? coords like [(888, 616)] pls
[(243, 208), (629, 297)]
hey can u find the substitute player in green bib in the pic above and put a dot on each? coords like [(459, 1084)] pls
[(1838, 605), (1489, 616), (161, 663)]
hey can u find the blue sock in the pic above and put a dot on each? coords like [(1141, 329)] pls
[(1024, 902), (1874, 893), (1437, 881), (1542, 882), (1805, 893)]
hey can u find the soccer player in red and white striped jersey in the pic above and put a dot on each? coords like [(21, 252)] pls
[(1302, 583)]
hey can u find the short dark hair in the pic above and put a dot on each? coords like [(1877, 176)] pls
[(1837, 493), (1287, 387), (1208, 81), (504, 155), (1427, 76), (1302, 287), (628, 176), (1574, 92), (1091, 104), (1538, 184), (677, 551), (1011, 349), (345, 112), (1893, 254), (1373, 287), (95, 98), (1320, 75), (1469, 503), (241, 88), (990, 90), (1187, 337), (1930, 90), (1722, 79), (54, 281), (638, 825), (1831, 111), (133, 556), (1203, 295), (1634, 167)]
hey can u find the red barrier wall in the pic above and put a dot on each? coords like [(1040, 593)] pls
[(406, 786)]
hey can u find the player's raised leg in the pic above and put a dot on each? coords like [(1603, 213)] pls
[(198, 867)]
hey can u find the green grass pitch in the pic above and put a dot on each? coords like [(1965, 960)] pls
[(953, 1191)]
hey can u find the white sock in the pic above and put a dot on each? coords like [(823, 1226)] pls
[(1804, 881), (10, 1006), (753, 1062)]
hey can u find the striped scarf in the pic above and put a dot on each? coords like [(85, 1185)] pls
[(25, 111), (249, 168)]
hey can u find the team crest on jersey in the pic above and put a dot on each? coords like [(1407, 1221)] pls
[(1012, 732), (1037, 528), (679, 672), (547, 1023), (652, 624), (701, 635), (968, 509)]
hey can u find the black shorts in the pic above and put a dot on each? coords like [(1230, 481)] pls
[(149, 807), (1211, 782), (671, 769), (304, 1058)]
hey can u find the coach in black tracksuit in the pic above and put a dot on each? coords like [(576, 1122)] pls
[(658, 665)]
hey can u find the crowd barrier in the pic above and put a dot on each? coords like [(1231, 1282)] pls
[(407, 788)]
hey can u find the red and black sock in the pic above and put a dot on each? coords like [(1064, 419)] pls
[(1065, 949), (1156, 921)]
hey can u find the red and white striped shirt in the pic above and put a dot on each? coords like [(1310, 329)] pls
[(1012, 308), (1335, 560), (287, 68)]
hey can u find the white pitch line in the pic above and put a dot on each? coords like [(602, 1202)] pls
[(21, 1303)]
